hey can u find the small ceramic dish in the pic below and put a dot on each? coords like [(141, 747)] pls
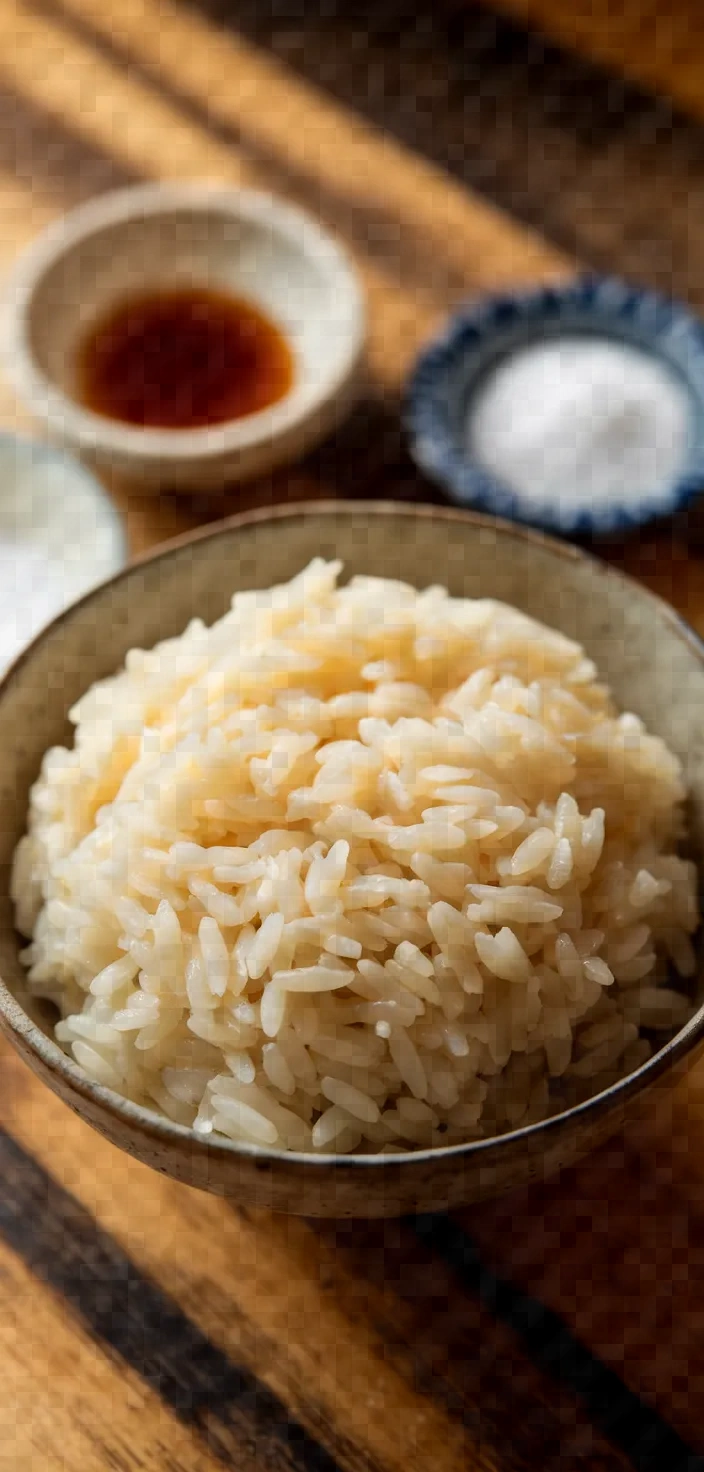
[(654, 663), (157, 237), (60, 535), (453, 369)]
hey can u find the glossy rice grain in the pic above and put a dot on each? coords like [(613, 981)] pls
[(357, 868)]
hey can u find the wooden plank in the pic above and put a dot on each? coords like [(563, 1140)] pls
[(582, 157), (260, 1278), (656, 45), (646, 1437), (616, 1249), (349, 1328), (64, 1405), (146, 1331)]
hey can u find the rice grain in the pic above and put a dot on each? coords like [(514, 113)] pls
[(357, 866)]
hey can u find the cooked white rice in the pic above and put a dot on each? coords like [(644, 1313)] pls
[(357, 868)]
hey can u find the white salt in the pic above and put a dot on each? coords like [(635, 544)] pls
[(581, 421)]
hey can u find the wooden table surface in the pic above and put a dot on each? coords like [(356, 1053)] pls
[(143, 1326)]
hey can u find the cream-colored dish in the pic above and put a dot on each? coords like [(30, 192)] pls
[(157, 237)]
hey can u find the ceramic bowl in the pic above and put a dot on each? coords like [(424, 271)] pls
[(453, 369), (154, 237), (60, 535), (652, 660)]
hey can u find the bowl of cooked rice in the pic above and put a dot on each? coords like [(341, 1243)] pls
[(351, 856)]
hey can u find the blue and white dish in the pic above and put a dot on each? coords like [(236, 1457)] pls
[(452, 370)]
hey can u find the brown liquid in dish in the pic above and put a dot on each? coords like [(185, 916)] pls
[(183, 359)]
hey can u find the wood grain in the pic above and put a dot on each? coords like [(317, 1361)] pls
[(659, 46), (238, 1338), (350, 1330), (592, 162), (617, 1249), (67, 1404), (149, 135), (318, 146), (140, 1325)]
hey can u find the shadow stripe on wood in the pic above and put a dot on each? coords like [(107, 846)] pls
[(324, 143), (615, 1246), (646, 1437), (453, 1348), (49, 158), (657, 46), (134, 1319), (556, 141), (364, 1319), (366, 225), (68, 1407)]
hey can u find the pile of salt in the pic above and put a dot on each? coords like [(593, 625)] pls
[(580, 421)]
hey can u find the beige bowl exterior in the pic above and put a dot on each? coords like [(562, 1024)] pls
[(653, 662)]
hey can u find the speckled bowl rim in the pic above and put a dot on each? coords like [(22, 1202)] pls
[(163, 1129), (92, 433), (617, 311)]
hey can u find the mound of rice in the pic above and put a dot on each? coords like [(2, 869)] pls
[(357, 868)]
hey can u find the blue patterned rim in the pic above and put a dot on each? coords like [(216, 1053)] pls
[(451, 368)]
